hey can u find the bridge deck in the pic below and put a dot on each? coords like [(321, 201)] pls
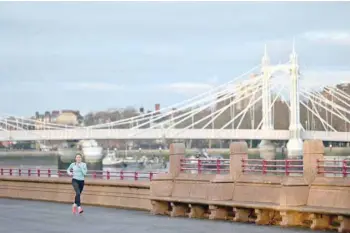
[(43, 217)]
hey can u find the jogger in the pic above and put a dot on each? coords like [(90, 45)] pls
[(78, 186), (78, 170)]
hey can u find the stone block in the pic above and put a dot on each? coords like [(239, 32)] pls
[(218, 212), (242, 215), (320, 222), (179, 210), (196, 211), (293, 218), (159, 207)]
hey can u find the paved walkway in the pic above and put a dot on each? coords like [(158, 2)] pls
[(42, 217)]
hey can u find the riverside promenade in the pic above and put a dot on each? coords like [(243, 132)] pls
[(17, 216), (308, 192)]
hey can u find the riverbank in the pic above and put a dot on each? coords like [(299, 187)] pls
[(29, 153), (225, 152)]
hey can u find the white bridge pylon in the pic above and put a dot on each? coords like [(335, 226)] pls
[(240, 109)]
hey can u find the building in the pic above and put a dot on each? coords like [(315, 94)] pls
[(65, 117)]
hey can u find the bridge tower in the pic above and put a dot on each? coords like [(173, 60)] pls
[(266, 148), (295, 143)]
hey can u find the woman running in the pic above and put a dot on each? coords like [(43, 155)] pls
[(78, 170)]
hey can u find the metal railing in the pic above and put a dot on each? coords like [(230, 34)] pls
[(333, 167), (283, 167), (94, 174), (211, 166)]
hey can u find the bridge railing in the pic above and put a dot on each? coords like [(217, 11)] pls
[(333, 167), (282, 167), (205, 166), (93, 174)]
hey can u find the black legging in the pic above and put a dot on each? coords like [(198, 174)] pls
[(78, 186)]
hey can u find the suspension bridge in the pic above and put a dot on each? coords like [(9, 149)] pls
[(228, 111)]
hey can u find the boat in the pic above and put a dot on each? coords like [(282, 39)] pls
[(207, 161), (67, 152), (154, 162), (91, 151), (130, 160), (111, 159)]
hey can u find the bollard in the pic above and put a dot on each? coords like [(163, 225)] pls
[(94, 175), (150, 176), (10, 171), (108, 175), (136, 176), (38, 172), (49, 172), (29, 172), (121, 175), (2, 171), (58, 173), (19, 172)]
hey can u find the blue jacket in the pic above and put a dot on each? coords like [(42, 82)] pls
[(79, 170)]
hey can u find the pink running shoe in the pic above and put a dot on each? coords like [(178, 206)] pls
[(74, 208), (80, 210)]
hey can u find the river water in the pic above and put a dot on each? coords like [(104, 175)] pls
[(49, 161)]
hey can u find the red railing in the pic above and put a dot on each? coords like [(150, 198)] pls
[(285, 166), (335, 167), (216, 166), (95, 174)]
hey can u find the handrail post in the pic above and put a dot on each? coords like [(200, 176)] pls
[(182, 164), (121, 175), (287, 166), (264, 167), (198, 166), (318, 166), (243, 165), (218, 166)]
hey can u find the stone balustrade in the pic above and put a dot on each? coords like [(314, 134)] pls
[(309, 199)]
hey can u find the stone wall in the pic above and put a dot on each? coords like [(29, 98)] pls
[(122, 194)]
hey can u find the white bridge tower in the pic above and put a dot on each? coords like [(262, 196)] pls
[(295, 143), (266, 148)]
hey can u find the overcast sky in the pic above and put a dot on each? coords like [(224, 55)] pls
[(98, 55)]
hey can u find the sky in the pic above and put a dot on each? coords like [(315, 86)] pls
[(93, 56)]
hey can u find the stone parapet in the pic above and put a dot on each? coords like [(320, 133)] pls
[(122, 194), (309, 200)]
